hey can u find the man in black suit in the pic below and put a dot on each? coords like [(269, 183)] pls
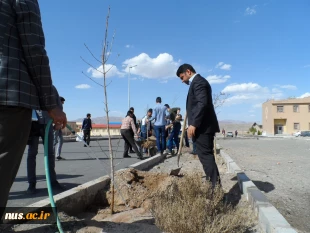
[(202, 119)]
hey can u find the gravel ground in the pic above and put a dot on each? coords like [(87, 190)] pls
[(280, 168)]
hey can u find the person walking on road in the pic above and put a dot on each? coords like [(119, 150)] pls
[(58, 136), (128, 126), (202, 120), (87, 127), (25, 84), (33, 142), (160, 113)]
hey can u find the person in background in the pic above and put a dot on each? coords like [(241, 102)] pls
[(159, 115), (58, 136), (236, 133), (174, 135), (87, 127), (128, 126), (25, 84), (194, 151), (202, 120), (131, 109), (33, 142), (185, 133), (146, 127)]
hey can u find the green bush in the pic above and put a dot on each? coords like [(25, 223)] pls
[(252, 130)]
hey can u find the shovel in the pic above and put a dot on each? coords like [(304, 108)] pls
[(175, 172)]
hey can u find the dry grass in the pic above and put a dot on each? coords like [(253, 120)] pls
[(187, 205)]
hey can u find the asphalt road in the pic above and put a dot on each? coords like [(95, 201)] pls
[(280, 167), (79, 167)]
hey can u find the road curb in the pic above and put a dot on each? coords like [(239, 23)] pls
[(270, 219), (75, 200), (148, 163)]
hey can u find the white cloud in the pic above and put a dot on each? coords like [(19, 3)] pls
[(219, 64), (250, 10), (250, 93), (164, 81), (98, 73), (307, 94), (289, 87), (217, 79), (82, 86), (242, 88), (223, 66), (226, 67), (306, 66), (128, 46), (252, 115), (162, 66)]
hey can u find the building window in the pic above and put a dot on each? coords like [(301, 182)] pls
[(309, 108), (295, 108), (296, 126), (280, 108)]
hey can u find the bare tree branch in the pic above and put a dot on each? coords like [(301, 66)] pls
[(219, 100), (92, 53), (109, 83), (110, 50), (112, 65), (91, 65), (92, 79)]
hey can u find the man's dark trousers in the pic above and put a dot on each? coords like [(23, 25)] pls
[(174, 136), (160, 133), (205, 149), (86, 133), (33, 151), (15, 123), (129, 140)]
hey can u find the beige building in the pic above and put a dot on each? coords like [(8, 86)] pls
[(286, 116), (73, 125), (101, 129)]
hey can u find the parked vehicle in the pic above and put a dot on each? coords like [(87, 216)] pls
[(305, 134), (297, 134), (230, 134)]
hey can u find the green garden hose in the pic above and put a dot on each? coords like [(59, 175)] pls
[(48, 179)]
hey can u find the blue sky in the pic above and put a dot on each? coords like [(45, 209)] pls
[(251, 50)]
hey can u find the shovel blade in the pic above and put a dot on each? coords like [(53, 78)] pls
[(175, 172)]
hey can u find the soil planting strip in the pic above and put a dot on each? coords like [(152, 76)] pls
[(75, 200)]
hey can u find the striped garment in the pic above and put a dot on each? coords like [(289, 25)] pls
[(25, 76)]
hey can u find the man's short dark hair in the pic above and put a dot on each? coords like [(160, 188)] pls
[(129, 113), (185, 67), (62, 98), (131, 109), (150, 110), (158, 100), (88, 114), (167, 105)]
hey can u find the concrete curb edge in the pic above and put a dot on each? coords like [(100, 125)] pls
[(270, 219), (75, 200)]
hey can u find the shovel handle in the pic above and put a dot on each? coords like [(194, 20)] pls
[(181, 140)]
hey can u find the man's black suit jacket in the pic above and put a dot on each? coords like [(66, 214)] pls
[(199, 107)]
